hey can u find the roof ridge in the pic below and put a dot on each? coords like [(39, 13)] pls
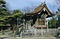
[(40, 6)]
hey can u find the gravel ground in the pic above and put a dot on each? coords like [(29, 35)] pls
[(31, 38)]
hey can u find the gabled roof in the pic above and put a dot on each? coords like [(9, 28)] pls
[(39, 8)]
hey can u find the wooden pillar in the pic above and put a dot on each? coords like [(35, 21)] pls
[(37, 21)]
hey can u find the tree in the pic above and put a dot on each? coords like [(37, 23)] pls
[(3, 10), (58, 21), (3, 13), (16, 11), (52, 23), (16, 14)]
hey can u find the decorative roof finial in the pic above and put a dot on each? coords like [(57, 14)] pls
[(44, 1)]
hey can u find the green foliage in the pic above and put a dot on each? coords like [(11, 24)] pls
[(17, 13), (2, 24), (59, 17), (3, 13), (3, 10), (5, 16), (59, 9), (3, 2), (52, 23), (58, 21)]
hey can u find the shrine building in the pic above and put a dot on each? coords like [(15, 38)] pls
[(39, 15)]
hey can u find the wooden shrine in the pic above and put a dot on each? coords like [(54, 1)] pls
[(39, 16)]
